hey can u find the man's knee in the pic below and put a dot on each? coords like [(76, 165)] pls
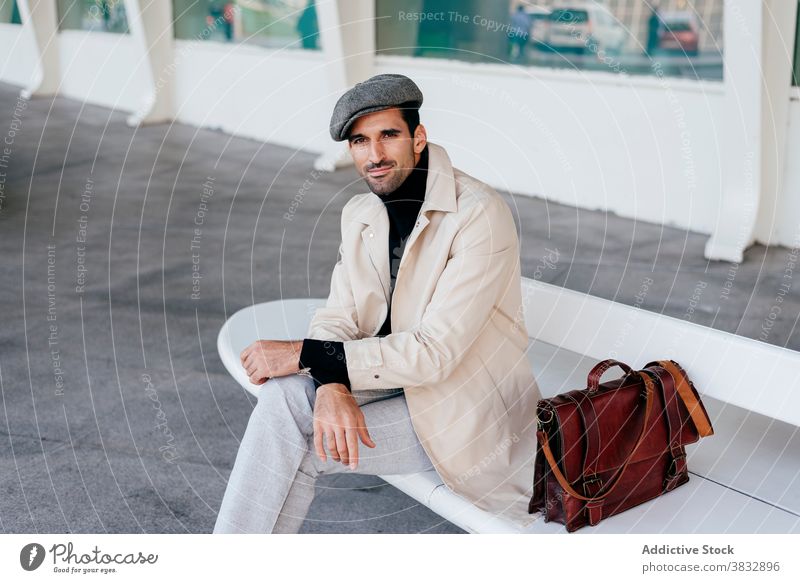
[(292, 394), (291, 388)]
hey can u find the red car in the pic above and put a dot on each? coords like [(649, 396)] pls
[(679, 31)]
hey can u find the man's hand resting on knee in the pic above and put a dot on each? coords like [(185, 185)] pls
[(338, 418), (265, 359)]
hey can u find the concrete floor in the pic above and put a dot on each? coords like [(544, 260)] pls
[(117, 415)]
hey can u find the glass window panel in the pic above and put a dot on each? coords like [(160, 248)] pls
[(269, 23), (796, 72), (9, 12), (97, 15), (682, 38)]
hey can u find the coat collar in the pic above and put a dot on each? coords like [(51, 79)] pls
[(440, 189), (440, 195)]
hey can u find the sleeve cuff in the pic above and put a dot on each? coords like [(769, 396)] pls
[(327, 361)]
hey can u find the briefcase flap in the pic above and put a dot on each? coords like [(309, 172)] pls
[(619, 408)]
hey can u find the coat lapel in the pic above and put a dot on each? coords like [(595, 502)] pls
[(375, 235)]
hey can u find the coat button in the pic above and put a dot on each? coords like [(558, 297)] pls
[(377, 376), (371, 233)]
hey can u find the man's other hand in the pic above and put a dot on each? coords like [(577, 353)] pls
[(338, 418), (265, 359)]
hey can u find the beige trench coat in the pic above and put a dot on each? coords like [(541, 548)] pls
[(458, 343)]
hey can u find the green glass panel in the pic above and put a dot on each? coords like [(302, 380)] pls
[(269, 23), (682, 38)]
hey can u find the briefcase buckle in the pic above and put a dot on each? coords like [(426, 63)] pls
[(673, 465), (592, 479)]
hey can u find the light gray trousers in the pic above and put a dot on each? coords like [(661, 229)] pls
[(271, 486)]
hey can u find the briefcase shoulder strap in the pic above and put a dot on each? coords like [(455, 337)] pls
[(670, 398), (615, 479), (677, 468), (695, 407), (583, 404)]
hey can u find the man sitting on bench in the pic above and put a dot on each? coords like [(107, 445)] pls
[(425, 366)]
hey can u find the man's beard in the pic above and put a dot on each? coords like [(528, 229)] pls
[(386, 184)]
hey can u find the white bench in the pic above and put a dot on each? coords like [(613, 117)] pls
[(744, 479)]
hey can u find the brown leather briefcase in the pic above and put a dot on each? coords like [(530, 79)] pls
[(612, 446)]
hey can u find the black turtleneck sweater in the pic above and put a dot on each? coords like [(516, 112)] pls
[(326, 358)]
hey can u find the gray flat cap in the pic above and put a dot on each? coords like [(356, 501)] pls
[(376, 93)]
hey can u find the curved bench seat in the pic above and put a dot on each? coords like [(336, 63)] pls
[(744, 479)]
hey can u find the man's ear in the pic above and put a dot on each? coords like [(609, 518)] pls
[(420, 139)]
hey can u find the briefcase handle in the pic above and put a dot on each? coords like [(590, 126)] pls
[(615, 479), (593, 381)]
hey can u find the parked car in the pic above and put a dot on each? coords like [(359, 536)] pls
[(584, 27), (679, 31), (540, 24)]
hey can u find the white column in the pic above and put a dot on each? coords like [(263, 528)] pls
[(347, 36), (150, 24), (39, 18), (780, 19), (758, 45)]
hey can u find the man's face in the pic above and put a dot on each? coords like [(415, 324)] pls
[(383, 150)]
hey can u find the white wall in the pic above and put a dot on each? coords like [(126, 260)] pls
[(590, 140), (641, 147), (786, 228), (18, 58), (279, 96), (103, 69)]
